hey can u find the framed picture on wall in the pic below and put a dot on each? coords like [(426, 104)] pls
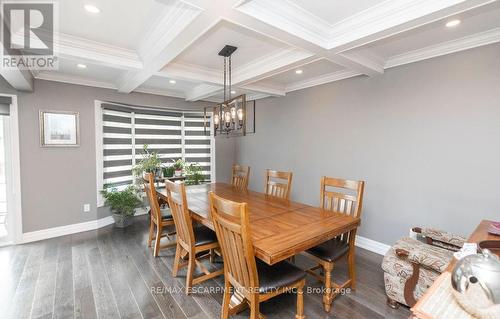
[(59, 129)]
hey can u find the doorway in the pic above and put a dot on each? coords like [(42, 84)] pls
[(10, 229)]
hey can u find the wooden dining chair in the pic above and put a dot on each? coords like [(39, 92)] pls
[(159, 219), (278, 184), (347, 198), (240, 176), (191, 241), (252, 281)]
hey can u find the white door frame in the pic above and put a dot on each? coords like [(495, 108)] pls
[(14, 210)]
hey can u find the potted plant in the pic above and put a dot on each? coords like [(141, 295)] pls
[(178, 167), (168, 171), (150, 163), (123, 204), (194, 175)]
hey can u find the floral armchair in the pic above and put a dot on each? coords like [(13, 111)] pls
[(411, 266)]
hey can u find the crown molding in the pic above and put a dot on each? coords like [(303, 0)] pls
[(383, 16), (191, 72), (267, 89), (160, 92), (269, 65), (448, 47), (175, 17), (70, 46), (322, 79), (202, 91), (64, 78)]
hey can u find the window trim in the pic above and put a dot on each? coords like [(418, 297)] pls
[(99, 147)]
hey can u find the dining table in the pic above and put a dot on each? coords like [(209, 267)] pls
[(279, 228)]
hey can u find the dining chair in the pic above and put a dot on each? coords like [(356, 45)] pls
[(345, 198), (251, 280), (195, 242), (240, 176), (278, 184), (159, 218)]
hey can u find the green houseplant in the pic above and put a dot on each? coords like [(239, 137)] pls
[(178, 167), (123, 204), (194, 175), (150, 163)]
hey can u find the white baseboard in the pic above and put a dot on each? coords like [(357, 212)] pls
[(66, 230), (362, 242), (71, 229), (372, 245)]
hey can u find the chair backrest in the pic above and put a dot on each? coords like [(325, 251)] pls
[(232, 227), (240, 176), (149, 188), (278, 188), (177, 201), (341, 201)]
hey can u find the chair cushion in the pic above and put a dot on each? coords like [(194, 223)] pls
[(279, 275), (204, 235), (166, 214), (330, 250)]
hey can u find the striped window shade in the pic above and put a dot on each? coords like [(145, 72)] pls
[(173, 134)]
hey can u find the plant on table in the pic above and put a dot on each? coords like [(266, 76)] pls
[(150, 163), (194, 174)]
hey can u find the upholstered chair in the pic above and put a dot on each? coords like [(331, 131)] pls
[(412, 265)]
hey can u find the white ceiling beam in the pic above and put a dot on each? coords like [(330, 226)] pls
[(265, 88), (257, 70), (202, 91), (322, 79), (178, 28), (242, 18), (189, 72), (21, 80)]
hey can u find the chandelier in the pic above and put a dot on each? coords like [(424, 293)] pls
[(229, 117)]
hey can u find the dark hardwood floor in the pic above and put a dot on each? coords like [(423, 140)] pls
[(110, 273)]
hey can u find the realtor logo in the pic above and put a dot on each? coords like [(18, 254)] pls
[(28, 35)]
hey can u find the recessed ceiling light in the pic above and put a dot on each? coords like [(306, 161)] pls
[(233, 92), (299, 71), (91, 8), (81, 66), (172, 81), (453, 23)]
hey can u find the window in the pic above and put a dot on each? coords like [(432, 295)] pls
[(122, 131)]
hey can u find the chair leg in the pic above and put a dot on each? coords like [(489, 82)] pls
[(225, 300), (300, 301), (190, 273), (327, 296), (212, 256), (352, 268), (254, 308), (177, 260), (157, 240), (151, 231)]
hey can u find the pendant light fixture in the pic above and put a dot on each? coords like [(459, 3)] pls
[(229, 117)]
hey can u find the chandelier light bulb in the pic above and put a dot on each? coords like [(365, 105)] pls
[(216, 119), (227, 117), (233, 113), (240, 114)]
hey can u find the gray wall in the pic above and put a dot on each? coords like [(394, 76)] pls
[(56, 182), (424, 137)]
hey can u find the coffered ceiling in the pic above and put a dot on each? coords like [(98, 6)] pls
[(169, 47)]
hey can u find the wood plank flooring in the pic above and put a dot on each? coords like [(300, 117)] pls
[(110, 273)]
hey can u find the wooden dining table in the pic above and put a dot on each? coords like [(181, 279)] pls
[(279, 228)]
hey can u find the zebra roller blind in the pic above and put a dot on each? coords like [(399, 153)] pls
[(173, 134)]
